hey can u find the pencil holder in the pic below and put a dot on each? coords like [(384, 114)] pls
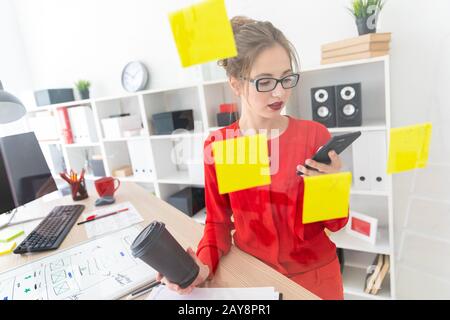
[(78, 189)]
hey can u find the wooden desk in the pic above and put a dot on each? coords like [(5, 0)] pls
[(237, 269)]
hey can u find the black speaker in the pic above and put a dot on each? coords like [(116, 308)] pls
[(348, 105), (323, 106)]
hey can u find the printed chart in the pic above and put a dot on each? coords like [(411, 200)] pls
[(102, 268)]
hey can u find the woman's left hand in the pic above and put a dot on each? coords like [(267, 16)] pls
[(334, 167)]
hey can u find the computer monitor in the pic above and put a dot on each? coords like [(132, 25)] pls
[(24, 173)]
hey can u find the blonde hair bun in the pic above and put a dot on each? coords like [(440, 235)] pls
[(252, 37), (240, 21)]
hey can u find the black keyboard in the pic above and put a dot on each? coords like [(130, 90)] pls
[(51, 232)]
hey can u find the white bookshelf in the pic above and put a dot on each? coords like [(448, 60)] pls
[(53, 107), (354, 275), (346, 241), (371, 125), (374, 76), (369, 193), (125, 139), (354, 281), (204, 96), (177, 177), (178, 136), (81, 145), (136, 179)]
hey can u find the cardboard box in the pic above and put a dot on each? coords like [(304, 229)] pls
[(115, 127), (167, 122), (53, 96), (124, 171)]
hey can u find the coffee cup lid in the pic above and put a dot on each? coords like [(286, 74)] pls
[(146, 238)]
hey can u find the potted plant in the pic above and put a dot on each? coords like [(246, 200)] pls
[(83, 88), (366, 14)]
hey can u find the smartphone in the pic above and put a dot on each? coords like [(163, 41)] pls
[(336, 143)]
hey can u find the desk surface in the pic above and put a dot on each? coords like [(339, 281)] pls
[(236, 269)]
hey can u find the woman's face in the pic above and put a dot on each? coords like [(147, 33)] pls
[(273, 62)]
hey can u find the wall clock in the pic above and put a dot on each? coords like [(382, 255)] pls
[(135, 76)]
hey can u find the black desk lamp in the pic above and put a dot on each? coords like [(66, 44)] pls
[(11, 109)]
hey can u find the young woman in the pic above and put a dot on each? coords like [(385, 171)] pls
[(267, 221)]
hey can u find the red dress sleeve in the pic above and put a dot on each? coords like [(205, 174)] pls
[(216, 240), (323, 135)]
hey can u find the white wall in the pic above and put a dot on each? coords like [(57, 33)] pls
[(14, 71), (420, 83), (68, 40)]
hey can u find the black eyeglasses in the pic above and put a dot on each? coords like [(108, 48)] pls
[(269, 84)]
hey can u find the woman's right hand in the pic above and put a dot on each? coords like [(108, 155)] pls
[(201, 277)]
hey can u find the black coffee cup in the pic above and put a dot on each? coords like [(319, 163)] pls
[(159, 249)]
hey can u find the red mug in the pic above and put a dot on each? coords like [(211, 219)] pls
[(106, 186)]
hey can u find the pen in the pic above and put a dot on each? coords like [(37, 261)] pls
[(95, 217), (65, 177), (82, 174), (78, 182), (145, 289)]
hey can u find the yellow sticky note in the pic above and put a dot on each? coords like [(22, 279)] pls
[(326, 197), (409, 147), (9, 234), (203, 33), (241, 163), (6, 248)]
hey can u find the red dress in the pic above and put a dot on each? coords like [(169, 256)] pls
[(268, 220)]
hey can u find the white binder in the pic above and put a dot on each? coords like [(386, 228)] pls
[(378, 160), (44, 126), (361, 162), (82, 123), (194, 160), (87, 127), (141, 159)]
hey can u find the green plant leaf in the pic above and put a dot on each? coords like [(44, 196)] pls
[(82, 85), (359, 8)]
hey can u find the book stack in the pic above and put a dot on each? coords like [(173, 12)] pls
[(366, 46), (376, 273)]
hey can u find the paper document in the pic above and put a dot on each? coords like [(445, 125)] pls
[(114, 222), (261, 293), (100, 269)]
